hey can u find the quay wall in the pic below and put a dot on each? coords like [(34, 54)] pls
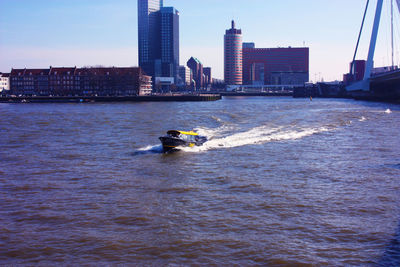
[(85, 99)]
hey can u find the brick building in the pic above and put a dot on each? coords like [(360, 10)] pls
[(357, 70), (80, 82), (275, 66), (29, 81)]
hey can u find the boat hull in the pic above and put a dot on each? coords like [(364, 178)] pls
[(172, 143)]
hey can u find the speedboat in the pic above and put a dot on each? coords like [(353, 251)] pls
[(175, 139)]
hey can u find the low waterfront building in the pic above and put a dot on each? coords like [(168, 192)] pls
[(164, 84), (207, 77), (357, 70), (185, 75), (144, 84), (29, 82), (80, 82), (218, 84), (62, 81), (4, 82)]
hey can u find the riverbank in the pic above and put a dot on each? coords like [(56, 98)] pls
[(256, 94), (88, 99)]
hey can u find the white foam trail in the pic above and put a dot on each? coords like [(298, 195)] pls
[(388, 111), (147, 148), (210, 133), (362, 119), (155, 148), (258, 135)]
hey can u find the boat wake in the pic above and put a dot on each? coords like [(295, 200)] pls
[(229, 135), (258, 135), (157, 149)]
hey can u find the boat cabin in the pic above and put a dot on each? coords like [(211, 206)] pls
[(186, 136)]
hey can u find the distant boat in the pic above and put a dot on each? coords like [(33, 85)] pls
[(175, 139)]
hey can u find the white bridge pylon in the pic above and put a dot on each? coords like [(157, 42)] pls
[(364, 85)]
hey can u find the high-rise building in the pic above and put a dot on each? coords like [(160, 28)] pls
[(170, 42), (233, 56), (197, 71), (149, 35), (158, 40)]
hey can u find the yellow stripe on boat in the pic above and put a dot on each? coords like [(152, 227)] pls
[(189, 133)]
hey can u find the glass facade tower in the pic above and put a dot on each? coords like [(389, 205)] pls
[(158, 39), (170, 42), (149, 34)]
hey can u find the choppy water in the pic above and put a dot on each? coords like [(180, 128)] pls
[(281, 182)]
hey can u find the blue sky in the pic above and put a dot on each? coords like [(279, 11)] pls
[(40, 33)]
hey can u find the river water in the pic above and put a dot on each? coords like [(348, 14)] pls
[(282, 181)]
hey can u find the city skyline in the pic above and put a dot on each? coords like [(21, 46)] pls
[(67, 33)]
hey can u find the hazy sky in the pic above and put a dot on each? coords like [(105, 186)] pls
[(40, 33)]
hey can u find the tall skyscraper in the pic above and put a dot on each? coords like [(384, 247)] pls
[(149, 35), (158, 39), (233, 56), (170, 42)]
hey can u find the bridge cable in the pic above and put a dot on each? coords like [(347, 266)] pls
[(392, 34), (352, 71)]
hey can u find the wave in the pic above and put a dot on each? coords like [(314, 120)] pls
[(362, 119)]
